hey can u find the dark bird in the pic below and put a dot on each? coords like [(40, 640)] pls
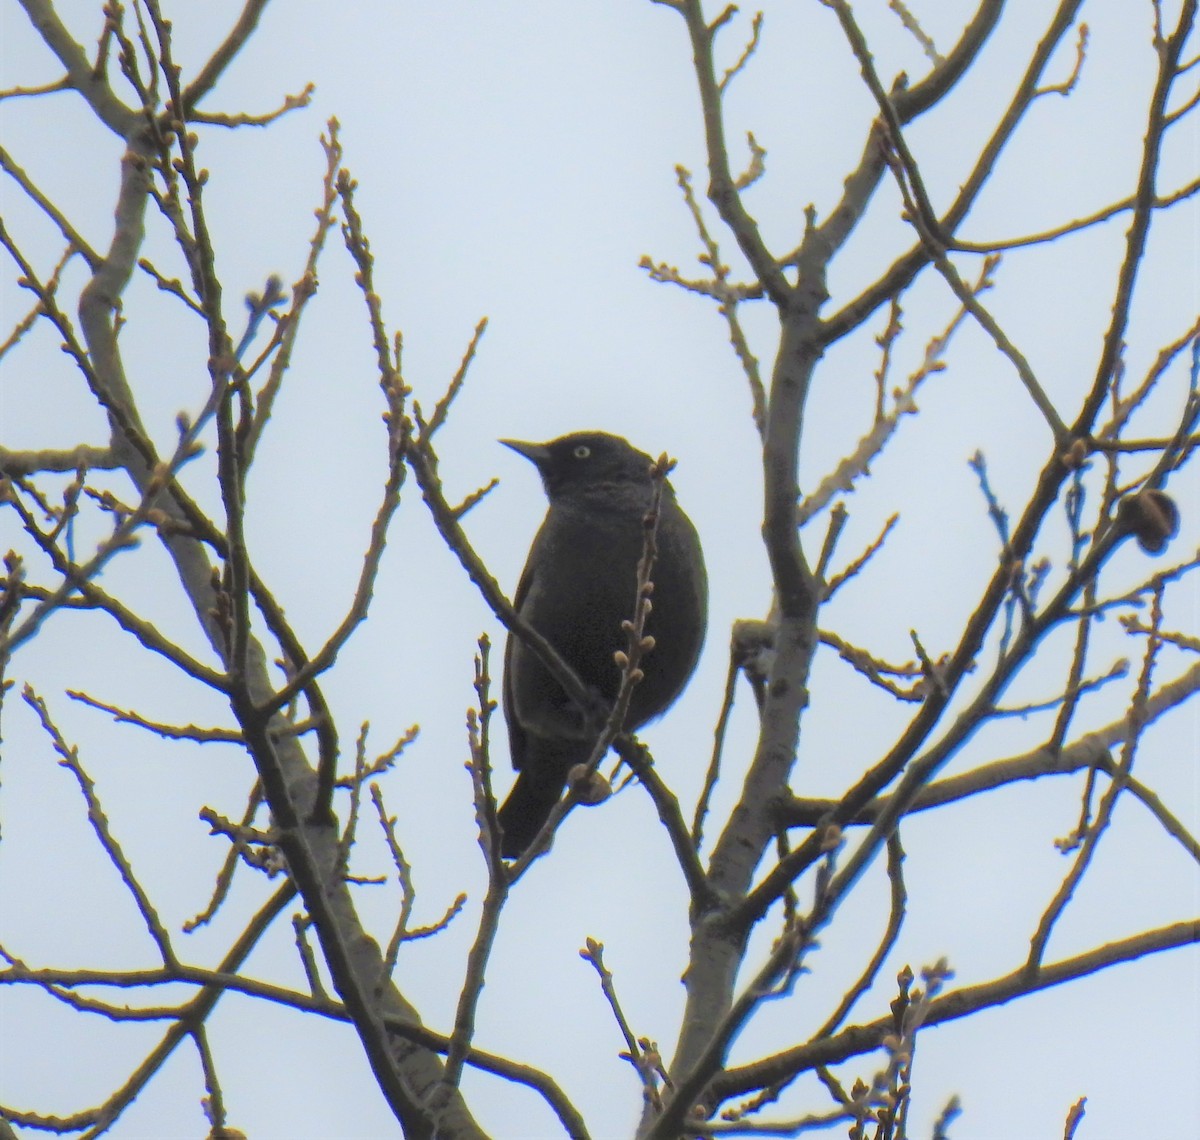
[(578, 585)]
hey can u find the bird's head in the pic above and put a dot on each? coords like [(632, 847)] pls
[(585, 459)]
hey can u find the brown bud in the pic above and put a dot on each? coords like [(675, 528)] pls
[(831, 838), (1073, 457), (589, 788)]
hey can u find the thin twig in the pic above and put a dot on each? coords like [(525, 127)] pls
[(168, 731), (479, 739), (1137, 719), (593, 953), (69, 759)]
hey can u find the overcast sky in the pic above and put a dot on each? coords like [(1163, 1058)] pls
[(515, 161)]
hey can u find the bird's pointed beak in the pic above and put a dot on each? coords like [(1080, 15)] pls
[(536, 453)]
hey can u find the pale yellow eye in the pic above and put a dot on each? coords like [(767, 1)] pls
[(582, 451)]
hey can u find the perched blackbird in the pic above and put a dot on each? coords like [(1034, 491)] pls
[(578, 585)]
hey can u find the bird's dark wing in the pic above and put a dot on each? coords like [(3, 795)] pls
[(542, 763)]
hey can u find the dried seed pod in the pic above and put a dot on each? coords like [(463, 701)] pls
[(1151, 516)]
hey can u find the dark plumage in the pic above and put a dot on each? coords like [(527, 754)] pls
[(578, 585)]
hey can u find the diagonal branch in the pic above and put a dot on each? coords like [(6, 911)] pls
[(857, 1040)]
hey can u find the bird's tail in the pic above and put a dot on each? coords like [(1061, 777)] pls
[(527, 808)]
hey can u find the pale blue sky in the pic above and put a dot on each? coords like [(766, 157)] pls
[(516, 161)]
